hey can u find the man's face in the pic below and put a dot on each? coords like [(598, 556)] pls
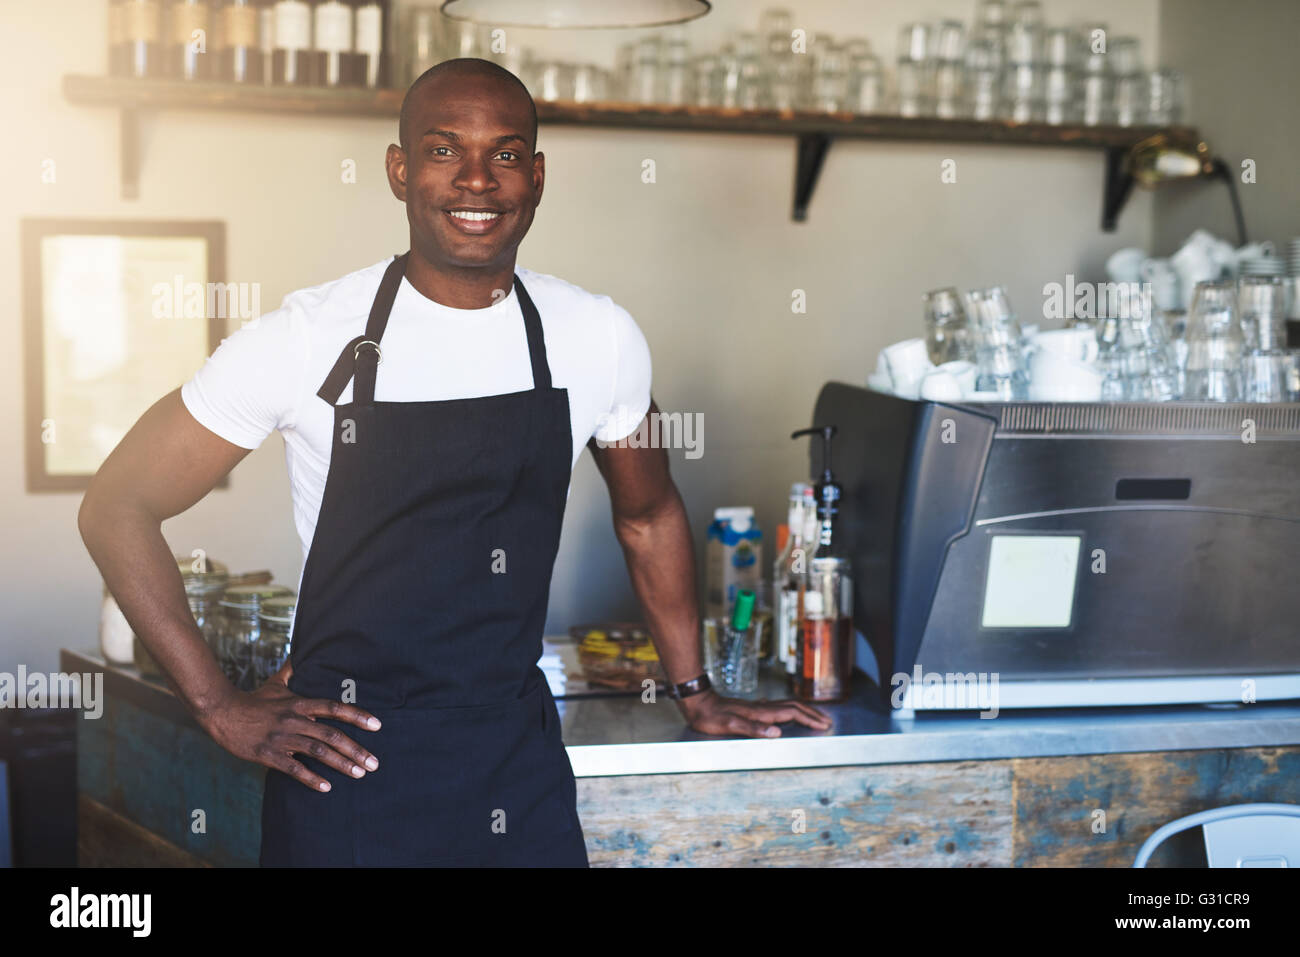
[(468, 176)]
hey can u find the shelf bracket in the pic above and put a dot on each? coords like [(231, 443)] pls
[(1117, 187), (812, 149), (129, 148)]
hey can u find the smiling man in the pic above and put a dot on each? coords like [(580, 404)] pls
[(433, 406)]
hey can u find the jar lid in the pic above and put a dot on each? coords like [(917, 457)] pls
[(186, 563), (278, 609), (250, 596), (209, 585)]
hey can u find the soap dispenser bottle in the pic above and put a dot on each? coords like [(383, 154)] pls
[(824, 664)]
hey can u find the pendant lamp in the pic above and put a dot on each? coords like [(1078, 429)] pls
[(576, 14)]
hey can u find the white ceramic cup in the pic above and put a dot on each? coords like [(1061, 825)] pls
[(880, 382), (907, 363), (964, 372), (1164, 282), (940, 385), (1194, 264), (1077, 343), (1124, 265), (1056, 378), (1221, 254)]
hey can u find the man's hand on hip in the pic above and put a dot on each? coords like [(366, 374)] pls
[(272, 724)]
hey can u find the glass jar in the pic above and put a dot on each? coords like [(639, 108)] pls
[(824, 664), (204, 593), (238, 629), (205, 579), (271, 650)]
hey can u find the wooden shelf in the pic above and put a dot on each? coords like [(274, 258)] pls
[(814, 131)]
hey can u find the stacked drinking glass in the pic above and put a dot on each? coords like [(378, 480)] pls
[(1215, 344), (1261, 303), (999, 351), (1134, 355)]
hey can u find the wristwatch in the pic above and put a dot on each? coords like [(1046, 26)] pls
[(688, 688)]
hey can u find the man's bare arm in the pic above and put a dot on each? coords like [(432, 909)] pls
[(165, 464), (650, 523)]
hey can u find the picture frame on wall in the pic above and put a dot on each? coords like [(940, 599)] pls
[(117, 313)]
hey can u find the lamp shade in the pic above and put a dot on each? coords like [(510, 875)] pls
[(576, 14)]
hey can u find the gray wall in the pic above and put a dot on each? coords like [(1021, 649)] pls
[(1244, 70), (705, 259)]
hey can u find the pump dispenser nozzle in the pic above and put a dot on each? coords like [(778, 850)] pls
[(828, 490), (827, 432)]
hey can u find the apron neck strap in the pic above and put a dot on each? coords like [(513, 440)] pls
[(361, 354), (366, 352), (360, 357), (536, 340)]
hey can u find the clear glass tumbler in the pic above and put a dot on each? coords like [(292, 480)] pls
[(915, 82), (831, 80), (1165, 97), (1293, 375), (949, 89), (1214, 344), (947, 335), (1151, 369), (999, 353), (950, 41), (1264, 376), (866, 85), (731, 657), (1261, 304)]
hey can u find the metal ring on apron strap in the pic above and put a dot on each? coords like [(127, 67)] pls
[(379, 355)]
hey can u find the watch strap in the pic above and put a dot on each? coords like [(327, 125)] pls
[(686, 689)]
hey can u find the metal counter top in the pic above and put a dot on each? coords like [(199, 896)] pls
[(617, 734), (621, 735)]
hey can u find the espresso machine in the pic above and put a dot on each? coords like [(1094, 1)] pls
[(1081, 553)]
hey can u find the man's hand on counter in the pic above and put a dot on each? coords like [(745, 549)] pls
[(272, 724), (711, 713)]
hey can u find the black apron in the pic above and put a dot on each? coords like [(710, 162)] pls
[(425, 594)]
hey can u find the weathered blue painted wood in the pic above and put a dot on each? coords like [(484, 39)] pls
[(944, 814), (157, 772), (1060, 802)]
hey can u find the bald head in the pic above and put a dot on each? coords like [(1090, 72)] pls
[(451, 77)]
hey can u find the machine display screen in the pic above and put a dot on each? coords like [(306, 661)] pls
[(1031, 581)]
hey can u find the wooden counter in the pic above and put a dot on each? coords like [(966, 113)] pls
[(1023, 789)]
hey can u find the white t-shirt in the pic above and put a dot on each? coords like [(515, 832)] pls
[(265, 375)]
